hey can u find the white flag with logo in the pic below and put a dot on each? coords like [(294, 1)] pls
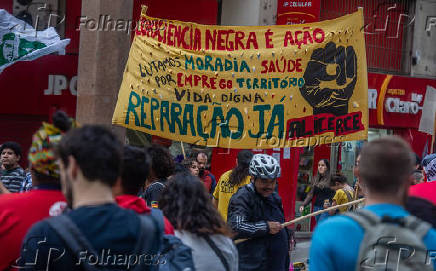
[(21, 42), (427, 121)]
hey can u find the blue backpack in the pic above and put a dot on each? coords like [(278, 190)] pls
[(174, 254)]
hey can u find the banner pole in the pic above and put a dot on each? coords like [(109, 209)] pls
[(433, 137), (355, 202), (183, 150)]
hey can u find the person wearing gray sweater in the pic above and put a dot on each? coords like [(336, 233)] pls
[(188, 207)]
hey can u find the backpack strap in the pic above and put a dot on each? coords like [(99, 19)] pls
[(77, 242), (148, 225), (348, 194), (349, 197), (366, 219), (158, 216), (73, 238), (217, 251), (418, 226)]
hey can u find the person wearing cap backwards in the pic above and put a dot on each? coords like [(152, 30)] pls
[(255, 213), (18, 211)]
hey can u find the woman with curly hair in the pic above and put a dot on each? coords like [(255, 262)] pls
[(191, 165), (187, 205)]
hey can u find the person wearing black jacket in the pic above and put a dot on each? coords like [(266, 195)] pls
[(255, 213)]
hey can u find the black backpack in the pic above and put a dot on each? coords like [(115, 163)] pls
[(174, 255)]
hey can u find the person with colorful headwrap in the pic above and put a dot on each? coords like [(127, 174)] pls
[(19, 211)]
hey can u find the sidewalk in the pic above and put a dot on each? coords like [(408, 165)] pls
[(301, 252)]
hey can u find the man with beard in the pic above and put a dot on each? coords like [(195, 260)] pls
[(256, 213), (13, 175), (205, 175), (96, 233), (19, 211)]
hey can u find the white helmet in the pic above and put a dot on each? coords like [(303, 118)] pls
[(264, 166)]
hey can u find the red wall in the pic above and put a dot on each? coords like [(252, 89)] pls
[(199, 11), (24, 105)]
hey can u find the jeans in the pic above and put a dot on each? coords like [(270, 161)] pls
[(317, 208)]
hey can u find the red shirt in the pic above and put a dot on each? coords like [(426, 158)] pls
[(18, 212), (207, 180), (424, 190), (138, 205)]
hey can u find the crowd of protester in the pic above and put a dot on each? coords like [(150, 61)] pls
[(89, 202)]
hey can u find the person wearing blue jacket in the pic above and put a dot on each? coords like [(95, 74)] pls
[(384, 169)]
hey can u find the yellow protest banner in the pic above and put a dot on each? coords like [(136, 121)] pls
[(247, 86)]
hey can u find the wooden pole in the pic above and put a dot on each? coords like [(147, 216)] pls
[(433, 137), (356, 193), (183, 150), (354, 202)]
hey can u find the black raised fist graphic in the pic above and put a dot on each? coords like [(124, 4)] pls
[(330, 78)]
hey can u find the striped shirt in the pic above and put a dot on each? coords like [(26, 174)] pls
[(13, 179)]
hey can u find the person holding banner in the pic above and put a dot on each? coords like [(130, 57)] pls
[(255, 212)]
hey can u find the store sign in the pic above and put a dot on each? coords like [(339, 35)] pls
[(57, 83), (247, 86), (298, 11), (50, 82), (396, 105), (396, 101)]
